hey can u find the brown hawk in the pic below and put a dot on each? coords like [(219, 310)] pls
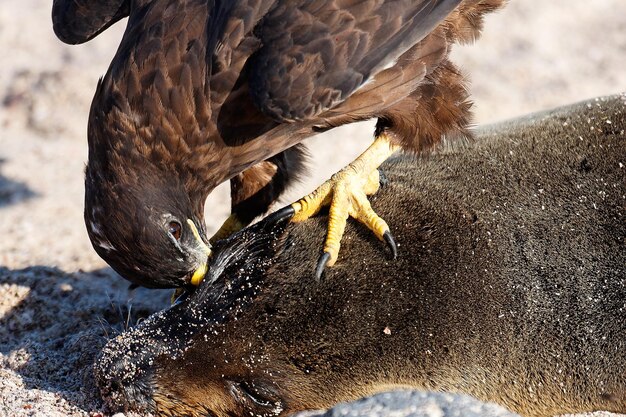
[(204, 91)]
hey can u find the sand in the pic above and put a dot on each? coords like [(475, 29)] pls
[(58, 299)]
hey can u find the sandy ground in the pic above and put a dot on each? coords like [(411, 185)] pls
[(58, 300)]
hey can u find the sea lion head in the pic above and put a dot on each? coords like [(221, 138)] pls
[(141, 370), (144, 371)]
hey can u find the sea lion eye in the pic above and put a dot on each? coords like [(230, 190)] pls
[(255, 395), (175, 229)]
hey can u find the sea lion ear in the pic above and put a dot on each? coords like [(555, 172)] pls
[(240, 262)]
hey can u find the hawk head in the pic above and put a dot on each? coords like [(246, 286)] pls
[(145, 225)]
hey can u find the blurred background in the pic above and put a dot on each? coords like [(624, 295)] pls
[(534, 55)]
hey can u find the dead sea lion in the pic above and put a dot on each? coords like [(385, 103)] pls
[(510, 286)]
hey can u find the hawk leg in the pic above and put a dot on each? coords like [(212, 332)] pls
[(347, 192), (231, 225), (254, 190)]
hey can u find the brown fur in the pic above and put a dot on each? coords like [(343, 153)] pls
[(509, 286)]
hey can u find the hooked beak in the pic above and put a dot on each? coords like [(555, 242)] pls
[(200, 272)]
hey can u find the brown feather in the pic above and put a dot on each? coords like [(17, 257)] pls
[(76, 21)]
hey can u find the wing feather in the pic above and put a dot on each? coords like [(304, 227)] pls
[(76, 21), (315, 54)]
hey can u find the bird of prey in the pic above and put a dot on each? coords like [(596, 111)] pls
[(204, 91)]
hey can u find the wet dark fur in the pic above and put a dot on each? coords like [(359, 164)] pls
[(510, 285)]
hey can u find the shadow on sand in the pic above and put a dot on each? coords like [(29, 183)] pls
[(12, 192), (53, 323)]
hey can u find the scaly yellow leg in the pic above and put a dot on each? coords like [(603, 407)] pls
[(230, 226), (347, 192)]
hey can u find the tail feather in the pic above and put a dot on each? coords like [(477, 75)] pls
[(400, 85), (465, 23)]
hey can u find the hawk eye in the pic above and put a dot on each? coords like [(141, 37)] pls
[(175, 230)]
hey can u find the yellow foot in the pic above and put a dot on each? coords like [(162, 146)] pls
[(347, 192), (230, 226)]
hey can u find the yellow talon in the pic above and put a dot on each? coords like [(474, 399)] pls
[(230, 226), (347, 192), (309, 205)]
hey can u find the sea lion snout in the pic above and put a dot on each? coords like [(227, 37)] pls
[(124, 370), (200, 386), (124, 379), (143, 371), (121, 395)]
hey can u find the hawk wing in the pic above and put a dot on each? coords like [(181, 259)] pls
[(315, 53), (273, 61), (76, 21)]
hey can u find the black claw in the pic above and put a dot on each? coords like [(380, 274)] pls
[(391, 242), (382, 178), (321, 264), (283, 213)]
